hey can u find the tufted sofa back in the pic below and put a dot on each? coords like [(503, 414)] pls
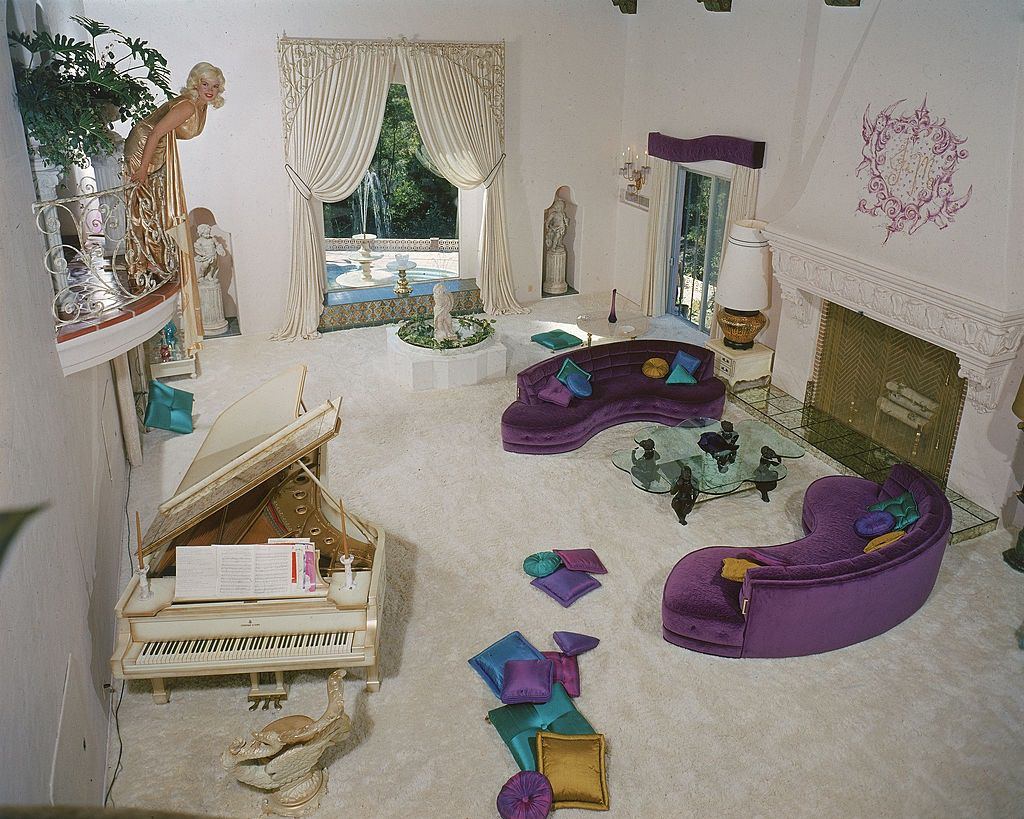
[(609, 361)]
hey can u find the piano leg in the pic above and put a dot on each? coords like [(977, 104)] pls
[(159, 692), (373, 677)]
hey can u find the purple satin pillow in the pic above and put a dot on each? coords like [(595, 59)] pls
[(565, 585), (874, 524), (527, 795), (567, 671), (581, 560), (555, 392), (527, 681), (572, 643)]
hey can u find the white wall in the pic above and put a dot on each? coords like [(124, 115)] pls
[(801, 82), (60, 444), (563, 91)]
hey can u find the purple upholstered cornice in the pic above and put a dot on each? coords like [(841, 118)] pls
[(726, 148)]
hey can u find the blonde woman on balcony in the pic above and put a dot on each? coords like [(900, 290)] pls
[(151, 146)]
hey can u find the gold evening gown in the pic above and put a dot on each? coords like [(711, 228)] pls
[(173, 211)]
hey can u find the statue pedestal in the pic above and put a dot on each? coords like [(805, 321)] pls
[(212, 303), (554, 272)]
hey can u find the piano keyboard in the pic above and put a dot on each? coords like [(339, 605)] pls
[(227, 649)]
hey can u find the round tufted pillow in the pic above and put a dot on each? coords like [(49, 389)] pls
[(656, 368), (541, 564), (579, 385), (874, 524), (527, 795)]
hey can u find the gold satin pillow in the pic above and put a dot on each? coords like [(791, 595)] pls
[(574, 765), (735, 568), (655, 368), (884, 540)]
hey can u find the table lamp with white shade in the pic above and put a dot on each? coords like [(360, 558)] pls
[(743, 284)]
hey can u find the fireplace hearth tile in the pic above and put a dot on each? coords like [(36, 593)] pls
[(962, 519), (973, 508), (790, 420), (753, 395), (848, 445), (776, 390), (830, 429), (785, 403)]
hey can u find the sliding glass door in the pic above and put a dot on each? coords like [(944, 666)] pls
[(702, 202)]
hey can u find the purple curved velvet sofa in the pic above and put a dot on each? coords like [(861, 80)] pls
[(621, 393), (821, 592)]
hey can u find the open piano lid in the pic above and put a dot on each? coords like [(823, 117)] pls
[(252, 440)]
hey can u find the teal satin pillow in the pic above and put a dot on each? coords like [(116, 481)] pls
[(541, 564), (568, 367), (169, 408), (680, 375), (556, 340), (902, 507), (517, 725)]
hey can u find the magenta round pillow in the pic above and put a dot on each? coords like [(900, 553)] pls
[(527, 795), (874, 524)]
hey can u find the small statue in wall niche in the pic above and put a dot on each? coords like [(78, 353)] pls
[(556, 225), (206, 249), (443, 304)]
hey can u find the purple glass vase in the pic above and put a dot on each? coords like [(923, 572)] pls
[(611, 315)]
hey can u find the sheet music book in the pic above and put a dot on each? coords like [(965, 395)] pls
[(282, 568)]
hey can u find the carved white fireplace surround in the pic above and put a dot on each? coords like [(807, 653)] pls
[(984, 338)]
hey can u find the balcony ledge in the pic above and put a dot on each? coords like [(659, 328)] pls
[(88, 344)]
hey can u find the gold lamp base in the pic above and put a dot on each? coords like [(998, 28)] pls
[(740, 327)]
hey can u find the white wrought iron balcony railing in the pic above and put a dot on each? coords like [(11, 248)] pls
[(100, 261)]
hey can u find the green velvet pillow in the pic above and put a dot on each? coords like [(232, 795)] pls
[(902, 507), (568, 368), (541, 564), (680, 375), (169, 408), (556, 340), (517, 725)]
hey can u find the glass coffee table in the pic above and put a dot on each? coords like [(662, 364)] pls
[(719, 460)]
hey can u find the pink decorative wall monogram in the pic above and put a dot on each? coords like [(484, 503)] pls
[(910, 161)]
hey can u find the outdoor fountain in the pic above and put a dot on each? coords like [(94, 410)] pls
[(369, 190)]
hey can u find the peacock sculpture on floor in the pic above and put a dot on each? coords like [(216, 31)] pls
[(285, 756)]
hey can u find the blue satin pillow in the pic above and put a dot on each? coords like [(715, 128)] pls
[(490, 663), (690, 363), (578, 385)]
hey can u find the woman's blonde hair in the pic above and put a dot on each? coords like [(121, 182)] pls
[(198, 72)]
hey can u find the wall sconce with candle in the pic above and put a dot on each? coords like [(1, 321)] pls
[(634, 173)]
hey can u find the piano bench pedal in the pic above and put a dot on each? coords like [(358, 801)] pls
[(277, 695)]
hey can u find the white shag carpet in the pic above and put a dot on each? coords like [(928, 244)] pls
[(925, 720)]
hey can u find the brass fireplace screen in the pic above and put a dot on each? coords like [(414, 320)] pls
[(900, 391)]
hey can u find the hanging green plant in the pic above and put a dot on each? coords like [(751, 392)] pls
[(71, 90)]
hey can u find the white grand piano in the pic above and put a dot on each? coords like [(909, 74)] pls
[(257, 476)]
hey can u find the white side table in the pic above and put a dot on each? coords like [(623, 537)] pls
[(734, 366)]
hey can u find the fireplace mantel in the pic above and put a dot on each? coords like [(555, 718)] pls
[(985, 339)]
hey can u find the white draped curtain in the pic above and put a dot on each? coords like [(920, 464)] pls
[(333, 98), (331, 132), (742, 204), (463, 132), (659, 222)]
